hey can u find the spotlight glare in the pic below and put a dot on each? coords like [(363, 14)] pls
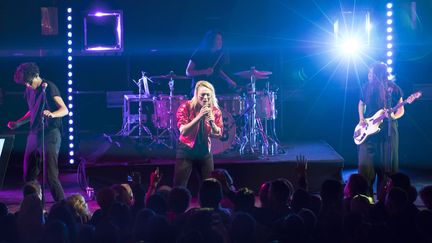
[(389, 5), (389, 53), (69, 26), (69, 10), (70, 129), (389, 13), (71, 153), (389, 61), (69, 18), (69, 34), (389, 37), (389, 45), (70, 74), (70, 106), (71, 161), (389, 29), (389, 21), (69, 58), (389, 69), (350, 47)]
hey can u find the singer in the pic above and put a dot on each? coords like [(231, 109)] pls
[(197, 120), (44, 102)]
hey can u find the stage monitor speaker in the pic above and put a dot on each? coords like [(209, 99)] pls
[(6, 145), (110, 149)]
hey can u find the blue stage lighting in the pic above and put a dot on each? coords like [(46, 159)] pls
[(70, 82)]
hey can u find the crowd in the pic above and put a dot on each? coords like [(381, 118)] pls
[(278, 212)]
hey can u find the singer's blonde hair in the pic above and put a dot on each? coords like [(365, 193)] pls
[(208, 85)]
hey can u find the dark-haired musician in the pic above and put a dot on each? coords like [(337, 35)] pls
[(376, 94), (207, 63), (44, 100)]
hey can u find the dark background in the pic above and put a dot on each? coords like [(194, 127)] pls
[(317, 97)]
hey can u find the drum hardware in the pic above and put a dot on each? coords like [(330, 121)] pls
[(259, 132), (253, 126), (171, 132), (143, 81), (274, 144), (222, 144)]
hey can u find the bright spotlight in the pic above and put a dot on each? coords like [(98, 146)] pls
[(350, 46)]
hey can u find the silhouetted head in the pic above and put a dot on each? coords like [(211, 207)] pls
[(210, 193)]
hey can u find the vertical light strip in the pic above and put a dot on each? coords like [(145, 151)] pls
[(70, 85), (390, 54)]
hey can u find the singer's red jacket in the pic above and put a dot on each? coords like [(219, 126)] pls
[(185, 114)]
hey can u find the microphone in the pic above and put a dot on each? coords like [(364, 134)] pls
[(44, 86), (211, 122)]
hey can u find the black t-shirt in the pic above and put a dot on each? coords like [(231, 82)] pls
[(206, 59), (200, 148), (35, 100), (370, 96)]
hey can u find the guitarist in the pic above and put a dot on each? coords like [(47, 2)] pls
[(379, 93)]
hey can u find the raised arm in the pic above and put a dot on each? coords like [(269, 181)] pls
[(191, 70)]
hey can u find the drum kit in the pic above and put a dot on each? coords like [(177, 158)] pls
[(248, 118)]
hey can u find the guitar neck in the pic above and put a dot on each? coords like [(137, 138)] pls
[(396, 107)]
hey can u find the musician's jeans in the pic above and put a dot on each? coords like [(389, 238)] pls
[(372, 156), (185, 162), (33, 160)]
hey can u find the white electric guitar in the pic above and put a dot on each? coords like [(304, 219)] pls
[(372, 124)]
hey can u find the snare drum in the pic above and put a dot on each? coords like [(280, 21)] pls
[(233, 104), (265, 104), (219, 145), (162, 113)]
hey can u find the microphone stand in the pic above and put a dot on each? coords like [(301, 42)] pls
[(43, 147)]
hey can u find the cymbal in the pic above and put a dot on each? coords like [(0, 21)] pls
[(171, 75), (254, 72)]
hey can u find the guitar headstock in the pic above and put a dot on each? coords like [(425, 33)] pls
[(413, 97)]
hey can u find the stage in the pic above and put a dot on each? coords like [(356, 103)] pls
[(125, 157)]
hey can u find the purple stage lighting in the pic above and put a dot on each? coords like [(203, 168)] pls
[(103, 31)]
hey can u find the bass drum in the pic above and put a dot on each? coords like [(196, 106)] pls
[(219, 145)]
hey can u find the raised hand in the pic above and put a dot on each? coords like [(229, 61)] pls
[(302, 162), (205, 110), (155, 177)]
